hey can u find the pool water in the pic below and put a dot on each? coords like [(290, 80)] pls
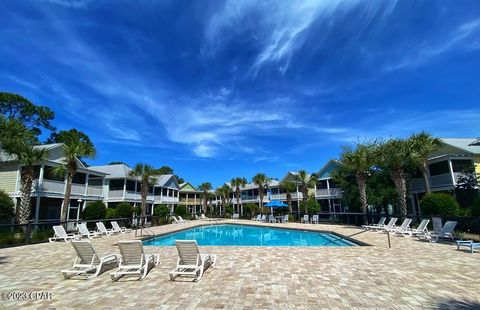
[(246, 235)]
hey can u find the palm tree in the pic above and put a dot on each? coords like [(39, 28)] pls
[(16, 140), (260, 179), (237, 184), (76, 145), (225, 192), (423, 144), (358, 161), (148, 177), (305, 181), (289, 188), (205, 188), (395, 156)]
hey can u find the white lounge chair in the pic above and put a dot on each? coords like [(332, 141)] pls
[(285, 219), (314, 219), (389, 227), (175, 220), (305, 219), (103, 230), (468, 243), (437, 224), (421, 230), (182, 220), (404, 229), (263, 218), (133, 260), (84, 232), (272, 219), (196, 217), (381, 223), (257, 218), (445, 233), (117, 228), (87, 262), (203, 217), (190, 262), (61, 235)]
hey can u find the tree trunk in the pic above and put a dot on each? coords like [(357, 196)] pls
[(25, 200), (305, 197), (238, 202), (143, 206), (426, 180), (204, 202), (362, 190), (398, 177), (66, 199), (289, 202), (260, 201)]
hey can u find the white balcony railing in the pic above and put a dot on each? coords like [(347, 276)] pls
[(441, 180), (53, 186), (329, 192), (115, 194), (94, 190), (78, 189)]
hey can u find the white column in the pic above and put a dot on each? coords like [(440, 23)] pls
[(161, 194), (86, 183), (328, 187), (125, 187), (451, 171), (40, 185)]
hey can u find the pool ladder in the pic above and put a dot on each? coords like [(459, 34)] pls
[(148, 232)]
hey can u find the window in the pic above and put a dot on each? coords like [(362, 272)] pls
[(95, 181), (439, 168), (322, 184), (79, 178), (50, 175), (130, 185), (462, 165), (116, 185)]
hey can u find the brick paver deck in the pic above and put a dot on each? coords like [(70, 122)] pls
[(412, 274)]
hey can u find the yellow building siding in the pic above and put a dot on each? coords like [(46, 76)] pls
[(8, 178)]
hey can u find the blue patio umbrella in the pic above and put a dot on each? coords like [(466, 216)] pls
[(275, 204)]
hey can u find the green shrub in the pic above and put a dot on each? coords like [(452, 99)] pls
[(313, 207), (475, 208), (124, 210), (162, 211), (137, 211), (229, 210), (250, 209), (181, 211), (439, 204), (8, 237), (111, 213), (94, 211), (6, 207), (291, 218), (42, 234)]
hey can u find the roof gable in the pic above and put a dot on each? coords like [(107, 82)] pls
[(325, 172)]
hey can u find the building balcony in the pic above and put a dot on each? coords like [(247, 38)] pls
[(328, 192), (189, 201), (165, 199), (436, 181), (94, 191)]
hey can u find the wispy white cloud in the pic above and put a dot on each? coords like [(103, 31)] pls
[(75, 4), (460, 37)]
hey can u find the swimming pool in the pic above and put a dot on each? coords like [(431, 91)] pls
[(246, 235)]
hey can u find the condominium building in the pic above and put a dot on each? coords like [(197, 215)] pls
[(191, 198), (453, 158), (324, 190), (48, 189), (121, 186)]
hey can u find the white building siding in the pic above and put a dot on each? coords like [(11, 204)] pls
[(8, 177)]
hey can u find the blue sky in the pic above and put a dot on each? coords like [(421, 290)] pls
[(219, 89)]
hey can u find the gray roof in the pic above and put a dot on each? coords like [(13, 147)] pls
[(470, 145), (122, 171), (4, 156)]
